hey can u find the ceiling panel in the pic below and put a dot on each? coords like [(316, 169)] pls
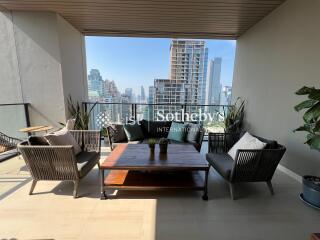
[(224, 19)]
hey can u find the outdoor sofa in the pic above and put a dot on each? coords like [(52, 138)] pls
[(156, 130)]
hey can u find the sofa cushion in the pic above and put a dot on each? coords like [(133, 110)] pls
[(177, 132), (37, 140), (193, 133), (62, 138), (133, 132), (86, 161), (246, 142), (222, 163), (119, 133), (155, 129)]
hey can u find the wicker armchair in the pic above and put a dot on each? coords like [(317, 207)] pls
[(249, 165), (7, 143), (54, 163)]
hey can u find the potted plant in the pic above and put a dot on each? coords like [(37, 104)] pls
[(152, 144), (104, 133), (163, 145), (80, 113), (234, 117), (311, 118)]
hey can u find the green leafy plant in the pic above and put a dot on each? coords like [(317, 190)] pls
[(311, 116), (104, 132), (151, 143), (80, 113), (234, 116)]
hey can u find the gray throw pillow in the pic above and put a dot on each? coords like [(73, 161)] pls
[(193, 132), (177, 132), (119, 133), (37, 141), (63, 138), (133, 132)]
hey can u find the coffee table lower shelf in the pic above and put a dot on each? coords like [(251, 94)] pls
[(153, 180)]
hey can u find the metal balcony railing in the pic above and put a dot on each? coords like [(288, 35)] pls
[(14, 116)]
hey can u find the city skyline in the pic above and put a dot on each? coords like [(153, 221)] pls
[(193, 80), (136, 62)]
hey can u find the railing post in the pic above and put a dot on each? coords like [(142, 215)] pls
[(85, 106), (26, 112), (27, 116), (132, 109), (135, 111)]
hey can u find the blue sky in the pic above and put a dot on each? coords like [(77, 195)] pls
[(132, 62)]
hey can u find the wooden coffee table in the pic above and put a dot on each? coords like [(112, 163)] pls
[(132, 167)]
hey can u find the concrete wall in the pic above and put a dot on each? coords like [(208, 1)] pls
[(39, 60), (275, 58), (73, 63), (9, 70), (42, 62)]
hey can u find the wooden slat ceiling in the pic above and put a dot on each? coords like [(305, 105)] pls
[(223, 19)]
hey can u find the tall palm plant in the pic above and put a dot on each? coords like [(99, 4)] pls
[(234, 116), (80, 113)]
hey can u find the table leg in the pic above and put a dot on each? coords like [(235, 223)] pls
[(103, 194), (205, 192)]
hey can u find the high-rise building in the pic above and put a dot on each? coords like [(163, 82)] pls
[(187, 77), (188, 68), (95, 82), (225, 98), (226, 95), (142, 95), (150, 114), (129, 93), (109, 88), (169, 95), (125, 107), (214, 81), (151, 94)]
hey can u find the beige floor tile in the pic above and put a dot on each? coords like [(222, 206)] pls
[(52, 213)]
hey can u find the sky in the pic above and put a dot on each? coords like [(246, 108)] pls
[(136, 62)]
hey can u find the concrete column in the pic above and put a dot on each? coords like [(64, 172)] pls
[(42, 61)]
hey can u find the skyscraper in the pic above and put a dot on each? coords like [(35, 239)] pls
[(109, 88), (187, 78), (214, 81), (188, 66), (142, 95), (95, 82), (151, 101), (226, 95), (129, 93), (169, 95)]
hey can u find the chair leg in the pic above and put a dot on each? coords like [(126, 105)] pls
[(75, 190), (270, 187), (34, 182), (232, 192)]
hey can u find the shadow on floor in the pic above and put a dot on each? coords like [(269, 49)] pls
[(21, 182)]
